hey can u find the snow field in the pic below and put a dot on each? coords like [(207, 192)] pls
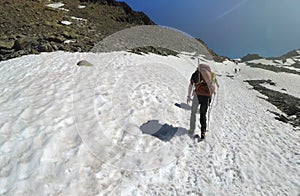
[(75, 130)]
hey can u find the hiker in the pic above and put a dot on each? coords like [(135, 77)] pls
[(203, 90)]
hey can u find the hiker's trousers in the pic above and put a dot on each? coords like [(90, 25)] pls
[(204, 102)]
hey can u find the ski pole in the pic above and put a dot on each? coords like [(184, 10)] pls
[(209, 111)]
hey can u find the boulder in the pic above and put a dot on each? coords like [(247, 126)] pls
[(4, 51), (57, 39), (84, 63), (45, 48), (7, 45), (54, 47), (70, 35), (24, 42)]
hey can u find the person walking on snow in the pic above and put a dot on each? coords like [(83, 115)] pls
[(203, 82)]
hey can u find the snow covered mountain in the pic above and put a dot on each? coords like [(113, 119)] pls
[(74, 130), (115, 122), (286, 101)]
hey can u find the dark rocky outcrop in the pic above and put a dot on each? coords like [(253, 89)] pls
[(132, 16), (288, 104), (154, 50), (24, 42)]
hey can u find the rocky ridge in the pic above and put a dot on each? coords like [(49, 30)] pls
[(34, 26), (288, 63)]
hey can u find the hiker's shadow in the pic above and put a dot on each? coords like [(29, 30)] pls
[(183, 106), (163, 132)]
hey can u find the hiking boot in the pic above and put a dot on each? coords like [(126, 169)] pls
[(202, 135)]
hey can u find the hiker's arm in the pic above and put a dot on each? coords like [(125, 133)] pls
[(190, 89), (189, 92)]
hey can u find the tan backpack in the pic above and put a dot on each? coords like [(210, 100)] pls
[(205, 85)]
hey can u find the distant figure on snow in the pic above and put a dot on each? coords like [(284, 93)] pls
[(202, 81)]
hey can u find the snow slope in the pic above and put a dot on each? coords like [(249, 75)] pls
[(70, 130)]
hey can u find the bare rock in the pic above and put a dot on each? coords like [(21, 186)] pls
[(7, 45), (57, 39), (23, 43), (45, 48), (70, 35), (84, 63)]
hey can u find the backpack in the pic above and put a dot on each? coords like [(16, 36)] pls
[(205, 85)]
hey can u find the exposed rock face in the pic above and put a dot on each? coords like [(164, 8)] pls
[(30, 27), (250, 57), (130, 17)]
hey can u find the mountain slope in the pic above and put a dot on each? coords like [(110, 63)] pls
[(30, 27)]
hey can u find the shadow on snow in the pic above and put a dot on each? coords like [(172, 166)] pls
[(163, 132), (183, 106)]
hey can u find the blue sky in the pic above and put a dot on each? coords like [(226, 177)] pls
[(231, 28)]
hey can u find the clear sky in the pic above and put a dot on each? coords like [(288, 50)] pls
[(231, 28)]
